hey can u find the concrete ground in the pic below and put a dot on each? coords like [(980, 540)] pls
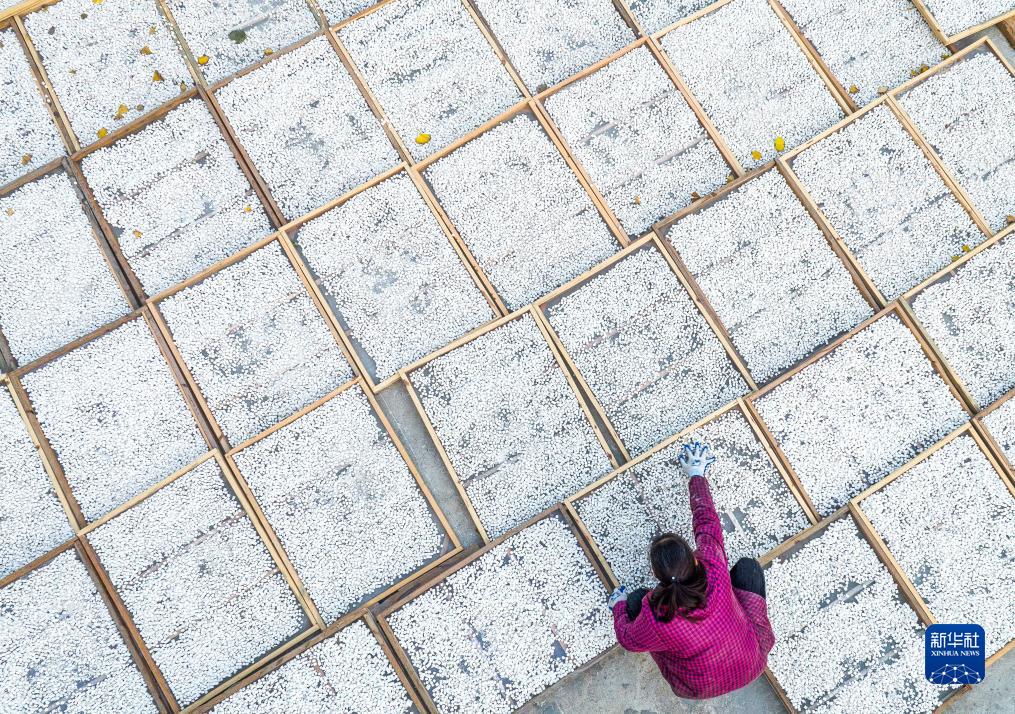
[(622, 682)]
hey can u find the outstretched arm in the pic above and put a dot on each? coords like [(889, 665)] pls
[(637, 635), (694, 461)]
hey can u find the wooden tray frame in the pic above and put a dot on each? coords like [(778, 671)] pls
[(984, 44), (532, 108), (123, 626), (76, 161), (979, 422), (893, 309), (906, 303), (46, 450), (19, 12), (8, 362), (856, 507), (402, 656), (570, 504), (405, 376), (704, 122), (289, 234), (945, 39), (649, 242), (282, 659), (822, 72), (902, 584), (230, 481), (449, 553), (785, 164), (163, 326), (662, 229)]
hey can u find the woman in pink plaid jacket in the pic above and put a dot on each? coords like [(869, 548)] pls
[(705, 626)]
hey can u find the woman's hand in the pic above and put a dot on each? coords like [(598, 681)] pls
[(695, 459), (618, 595)]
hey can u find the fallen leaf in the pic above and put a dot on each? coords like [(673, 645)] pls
[(729, 179), (780, 143), (924, 67), (423, 139), (137, 233), (26, 159), (882, 90), (695, 195), (268, 51), (203, 60), (96, 2), (637, 200), (140, 107), (247, 209), (153, 30), (102, 132), (945, 55), (756, 155), (121, 111), (156, 77), (10, 211), (966, 248), (955, 257), (146, 50), (237, 36), (853, 89), (1011, 219)]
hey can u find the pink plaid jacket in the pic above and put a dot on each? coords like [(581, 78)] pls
[(726, 646)]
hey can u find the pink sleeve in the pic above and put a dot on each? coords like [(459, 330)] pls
[(636, 635), (707, 526)]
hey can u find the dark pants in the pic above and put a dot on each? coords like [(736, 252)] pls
[(745, 575), (748, 575)]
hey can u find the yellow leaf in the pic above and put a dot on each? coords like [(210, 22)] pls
[(146, 50), (924, 67), (423, 139), (102, 132), (268, 51), (853, 89), (203, 60), (780, 143), (10, 211), (1011, 219), (756, 155), (914, 72), (156, 77), (966, 248), (153, 30), (729, 179), (247, 209), (96, 2), (121, 110), (140, 107), (26, 159), (882, 90), (137, 233), (695, 195), (955, 257), (945, 55), (637, 200)]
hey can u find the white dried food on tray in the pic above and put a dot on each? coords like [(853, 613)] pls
[(338, 10), (955, 16), (28, 136), (966, 113), (774, 91), (970, 316), (926, 522), (769, 273), (638, 139), (516, 620), (884, 198), (175, 197), (115, 417), (547, 41), (346, 673), (62, 651), (228, 35), (345, 507), (1001, 425), (656, 15), (867, 44), (255, 343), (756, 507), (863, 410), (391, 275), (198, 582), (511, 426), (433, 84), (307, 129), (110, 62), (642, 355), (520, 210), (845, 640), (55, 283), (32, 520)]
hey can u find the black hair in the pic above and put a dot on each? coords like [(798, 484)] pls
[(682, 583)]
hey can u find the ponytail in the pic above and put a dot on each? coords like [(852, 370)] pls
[(682, 585)]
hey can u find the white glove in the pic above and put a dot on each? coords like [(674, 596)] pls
[(695, 459), (618, 595)]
